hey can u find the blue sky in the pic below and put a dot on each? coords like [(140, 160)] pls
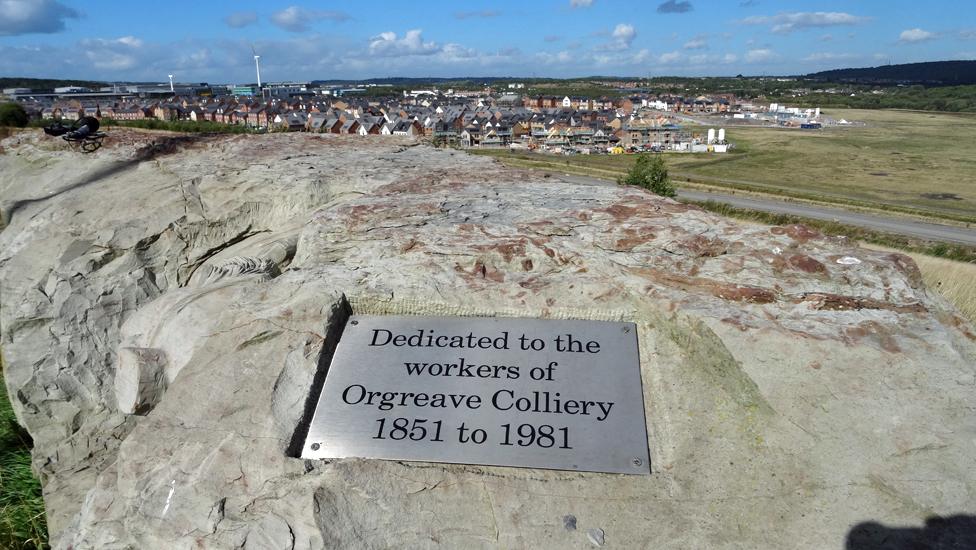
[(304, 40)]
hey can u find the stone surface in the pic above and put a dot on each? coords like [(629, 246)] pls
[(166, 302)]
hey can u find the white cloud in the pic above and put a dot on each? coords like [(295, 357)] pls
[(912, 36), (785, 23), (33, 16), (310, 56), (412, 43), (296, 19), (130, 41), (240, 19), (696, 43), (580, 3), (620, 39), (624, 33), (829, 56), (669, 58), (126, 41), (706, 59), (968, 34), (641, 57), (112, 54), (456, 52), (547, 58), (760, 55)]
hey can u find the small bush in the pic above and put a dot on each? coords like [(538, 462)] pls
[(13, 114), (650, 173)]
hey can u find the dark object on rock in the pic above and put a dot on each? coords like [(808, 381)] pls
[(938, 533), (85, 127), (83, 131), (56, 129)]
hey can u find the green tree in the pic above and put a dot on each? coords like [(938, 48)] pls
[(650, 173), (12, 114)]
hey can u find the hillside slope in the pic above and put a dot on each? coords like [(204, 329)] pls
[(941, 73)]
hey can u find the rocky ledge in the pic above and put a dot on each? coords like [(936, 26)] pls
[(166, 300)]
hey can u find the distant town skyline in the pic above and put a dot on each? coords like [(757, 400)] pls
[(303, 40)]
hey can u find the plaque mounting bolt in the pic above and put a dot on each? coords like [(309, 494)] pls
[(626, 329), (636, 461), (353, 322), (316, 446)]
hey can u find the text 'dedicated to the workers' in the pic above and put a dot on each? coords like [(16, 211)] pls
[(534, 393)]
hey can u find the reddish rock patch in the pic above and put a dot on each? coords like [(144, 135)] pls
[(807, 264), (702, 246), (620, 212), (410, 245), (958, 322), (907, 267), (748, 294), (508, 250), (534, 283), (725, 291), (836, 302), (876, 330), (480, 271), (797, 232)]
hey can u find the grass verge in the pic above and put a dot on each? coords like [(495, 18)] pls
[(613, 166), (22, 521)]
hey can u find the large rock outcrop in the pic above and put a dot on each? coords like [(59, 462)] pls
[(166, 302)]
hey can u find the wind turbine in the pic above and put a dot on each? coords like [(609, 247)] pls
[(257, 65), (171, 83)]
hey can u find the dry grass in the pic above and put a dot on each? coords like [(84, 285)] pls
[(954, 280), (898, 158), (916, 162)]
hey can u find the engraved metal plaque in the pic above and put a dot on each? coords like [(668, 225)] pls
[(533, 393)]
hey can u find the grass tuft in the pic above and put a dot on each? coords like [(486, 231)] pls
[(22, 521)]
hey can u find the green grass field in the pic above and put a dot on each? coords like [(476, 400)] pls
[(892, 162), (22, 521)]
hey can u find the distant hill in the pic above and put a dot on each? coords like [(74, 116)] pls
[(45, 83), (933, 73)]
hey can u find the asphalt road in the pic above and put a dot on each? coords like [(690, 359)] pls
[(901, 226)]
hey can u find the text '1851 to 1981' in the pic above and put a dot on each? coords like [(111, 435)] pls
[(496, 391)]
